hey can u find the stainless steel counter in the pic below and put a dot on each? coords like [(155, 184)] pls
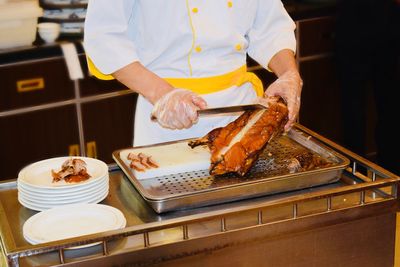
[(364, 194)]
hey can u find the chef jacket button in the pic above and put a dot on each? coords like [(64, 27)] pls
[(198, 49), (195, 10), (230, 4), (238, 47)]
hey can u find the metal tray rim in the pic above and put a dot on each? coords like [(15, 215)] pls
[(343, 162), (151, 197)]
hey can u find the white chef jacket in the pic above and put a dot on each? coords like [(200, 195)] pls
[(186, 39)]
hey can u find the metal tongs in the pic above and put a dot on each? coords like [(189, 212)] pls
[(225, 110)]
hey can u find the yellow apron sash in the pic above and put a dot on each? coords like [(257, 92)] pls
[(205, 85), (214, 84)]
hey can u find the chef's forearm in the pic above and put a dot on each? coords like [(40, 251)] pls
[(139, 79), (282, 62)]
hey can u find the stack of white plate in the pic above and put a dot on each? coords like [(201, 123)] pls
[(72, 221), (37, 191)]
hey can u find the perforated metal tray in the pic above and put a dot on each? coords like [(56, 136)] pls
[(269, 175)]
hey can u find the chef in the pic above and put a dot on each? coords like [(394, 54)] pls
[(185, 55)]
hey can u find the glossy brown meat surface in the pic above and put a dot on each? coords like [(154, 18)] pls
[(236, 147)]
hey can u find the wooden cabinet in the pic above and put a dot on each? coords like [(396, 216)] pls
[(320, 104), (315, 36), (321, 96), (44, 114), (108, 125), (31, 83), (37, 135)]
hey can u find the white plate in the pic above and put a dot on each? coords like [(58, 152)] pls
[(64, 188), (72, 221), (49, 193), (38, 175), (32, 206), (63, 201), (41, 207), (47, 199)]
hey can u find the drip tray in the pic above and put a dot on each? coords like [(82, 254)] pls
[(289, 162)]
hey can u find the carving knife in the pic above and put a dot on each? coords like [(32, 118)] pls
[(225, 110), (229, 109)]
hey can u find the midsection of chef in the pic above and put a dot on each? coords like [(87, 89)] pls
[(195, 45)]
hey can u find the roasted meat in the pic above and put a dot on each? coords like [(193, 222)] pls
[(140, 162), (236, 147), (72, 171), (305, 161)]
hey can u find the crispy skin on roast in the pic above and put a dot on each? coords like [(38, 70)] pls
[(236, 147)]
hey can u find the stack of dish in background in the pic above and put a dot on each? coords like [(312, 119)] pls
[(70, 14), (37, 191)]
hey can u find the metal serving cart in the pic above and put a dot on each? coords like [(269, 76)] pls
[(348, 222)]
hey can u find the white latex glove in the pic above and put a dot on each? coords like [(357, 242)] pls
[(288, 86), (177, 109)]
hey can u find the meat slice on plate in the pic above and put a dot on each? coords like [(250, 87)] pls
[(236, 147), (72, 170)]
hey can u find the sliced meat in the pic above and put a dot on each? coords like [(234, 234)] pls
[(72, 170), (152, 163), (235, 147), (141, 162), (138, 166), (307, 161), (133, 157)]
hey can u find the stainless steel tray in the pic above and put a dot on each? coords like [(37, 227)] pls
[(269, 175)]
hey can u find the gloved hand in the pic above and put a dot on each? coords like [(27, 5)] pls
[(288, 86), (177, 109)]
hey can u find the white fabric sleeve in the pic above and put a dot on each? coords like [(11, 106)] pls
[(272, 31), (106, 37)]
